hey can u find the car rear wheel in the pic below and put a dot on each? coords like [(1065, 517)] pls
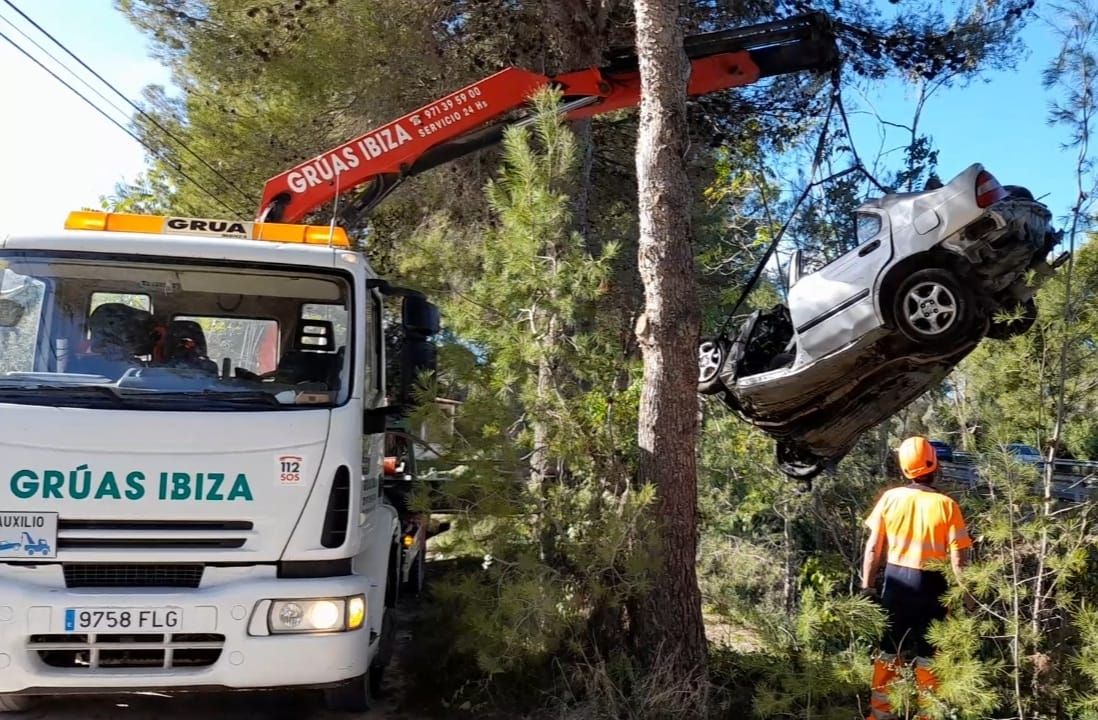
[(932, 307), (1018, 192), (1015, 326), (711, 357)]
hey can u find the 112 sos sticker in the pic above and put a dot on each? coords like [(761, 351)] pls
[(290, 468)]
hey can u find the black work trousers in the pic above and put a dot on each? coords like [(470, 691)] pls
[(912, 599)]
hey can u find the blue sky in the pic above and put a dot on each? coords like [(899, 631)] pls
[(999, 119), (59, 155)]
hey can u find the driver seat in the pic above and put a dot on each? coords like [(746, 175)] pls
[(118, 335), (185, 347)]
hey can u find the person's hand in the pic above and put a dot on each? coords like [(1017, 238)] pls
[(871, 593)]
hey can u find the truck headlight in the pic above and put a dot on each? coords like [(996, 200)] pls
[(356, 612), (307, 615)]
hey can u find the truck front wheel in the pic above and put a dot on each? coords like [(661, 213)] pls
[(357, 695), (15, 703), (360, 694), (417, 575)]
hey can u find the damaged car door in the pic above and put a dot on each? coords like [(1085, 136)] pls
[(835, 306)]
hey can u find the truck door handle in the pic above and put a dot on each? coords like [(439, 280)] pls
[(869, 248)]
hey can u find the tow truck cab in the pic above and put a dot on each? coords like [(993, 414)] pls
[(194, 415)]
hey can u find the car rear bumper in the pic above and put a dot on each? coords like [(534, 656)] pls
[(222, 641), (1012, 237)]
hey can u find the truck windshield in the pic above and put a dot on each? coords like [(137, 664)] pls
[(117, 332)]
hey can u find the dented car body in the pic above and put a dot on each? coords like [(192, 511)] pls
[(933, 274)]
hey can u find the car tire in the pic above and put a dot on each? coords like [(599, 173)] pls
[(933, 308), (795, 464), (1016, 326), (711, 358)]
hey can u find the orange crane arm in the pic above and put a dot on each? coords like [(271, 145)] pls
[(471, 118)]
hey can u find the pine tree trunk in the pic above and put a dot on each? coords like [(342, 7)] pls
[(882, 449), (789, 579), (669, 623), (579, 28), (545, 468)]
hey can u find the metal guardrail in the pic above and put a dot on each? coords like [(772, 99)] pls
[(1072, 480)]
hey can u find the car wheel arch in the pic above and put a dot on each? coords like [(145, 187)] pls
[(935, 258)]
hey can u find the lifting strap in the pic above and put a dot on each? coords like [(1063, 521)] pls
[(817, 160)]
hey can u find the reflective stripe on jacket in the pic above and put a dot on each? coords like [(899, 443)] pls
[(920, 524)]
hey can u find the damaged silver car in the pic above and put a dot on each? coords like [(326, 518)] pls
[(933, 274)]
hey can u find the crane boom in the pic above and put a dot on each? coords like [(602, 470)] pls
[(473, 117)]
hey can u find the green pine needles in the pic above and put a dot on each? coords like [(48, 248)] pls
[(542, 383)]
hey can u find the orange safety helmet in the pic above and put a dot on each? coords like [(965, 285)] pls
[(917, 457)]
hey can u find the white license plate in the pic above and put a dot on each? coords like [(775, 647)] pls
[(28, 534), (123, 620)]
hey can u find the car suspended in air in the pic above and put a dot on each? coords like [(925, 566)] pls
[(933, 273)]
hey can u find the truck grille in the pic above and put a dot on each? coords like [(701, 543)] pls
[(95, 575), (152, 534), (91, 652)]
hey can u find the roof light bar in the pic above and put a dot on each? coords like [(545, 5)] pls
[(168, 225)]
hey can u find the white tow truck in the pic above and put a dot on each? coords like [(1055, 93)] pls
[(193, 416), (194, 488)]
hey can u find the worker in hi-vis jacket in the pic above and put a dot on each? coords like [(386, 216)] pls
[(910, 528)]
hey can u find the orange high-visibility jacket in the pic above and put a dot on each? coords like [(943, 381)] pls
[(920, 524)]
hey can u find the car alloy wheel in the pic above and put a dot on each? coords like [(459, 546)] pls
[(933, 308), (711, 357)]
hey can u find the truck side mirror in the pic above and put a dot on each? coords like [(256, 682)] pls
[(375, 420), (420, 320), (419, 316)]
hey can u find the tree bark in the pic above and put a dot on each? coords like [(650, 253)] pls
[(669, 620), (789, 578)]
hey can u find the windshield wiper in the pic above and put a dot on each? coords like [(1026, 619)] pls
[(215, 397), (24, 392), (93, 395)]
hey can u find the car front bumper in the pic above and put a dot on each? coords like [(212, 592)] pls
[(222, 641)]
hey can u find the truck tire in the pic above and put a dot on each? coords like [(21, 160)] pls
[(357, 695), (15, 703), (387, 644), (417, 575)]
